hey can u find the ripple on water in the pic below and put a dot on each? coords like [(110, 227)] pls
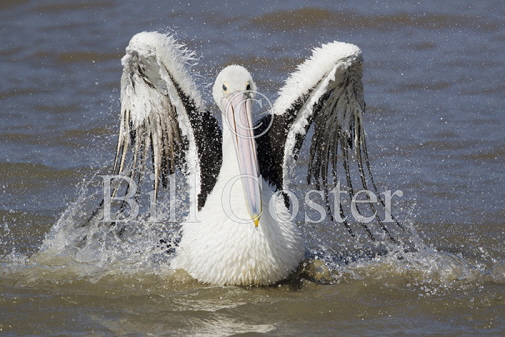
[(311, 17), (76, 5)]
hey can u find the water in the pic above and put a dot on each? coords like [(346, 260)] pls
[(434, 91)]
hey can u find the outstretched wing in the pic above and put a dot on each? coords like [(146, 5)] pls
[(325, 93), (162, 117)]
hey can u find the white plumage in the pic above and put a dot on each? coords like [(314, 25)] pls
[(223, 252), (219, 251)]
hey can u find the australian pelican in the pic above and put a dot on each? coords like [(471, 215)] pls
[(244, 235)]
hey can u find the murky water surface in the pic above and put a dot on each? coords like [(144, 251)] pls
[(435, 124)]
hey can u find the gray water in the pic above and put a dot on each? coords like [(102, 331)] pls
[(435, 120)]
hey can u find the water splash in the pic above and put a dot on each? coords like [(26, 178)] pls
[(77, 248)]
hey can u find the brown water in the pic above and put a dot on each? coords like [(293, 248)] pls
[(434, 90)]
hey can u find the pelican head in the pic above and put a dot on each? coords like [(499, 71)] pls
[(233, 92)]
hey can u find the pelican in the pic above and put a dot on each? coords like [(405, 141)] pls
[(243, 234)]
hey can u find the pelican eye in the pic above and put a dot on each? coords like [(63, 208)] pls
[(248, 86), (225, 87)]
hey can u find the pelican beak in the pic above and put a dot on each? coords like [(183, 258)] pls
[(238, 117)]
